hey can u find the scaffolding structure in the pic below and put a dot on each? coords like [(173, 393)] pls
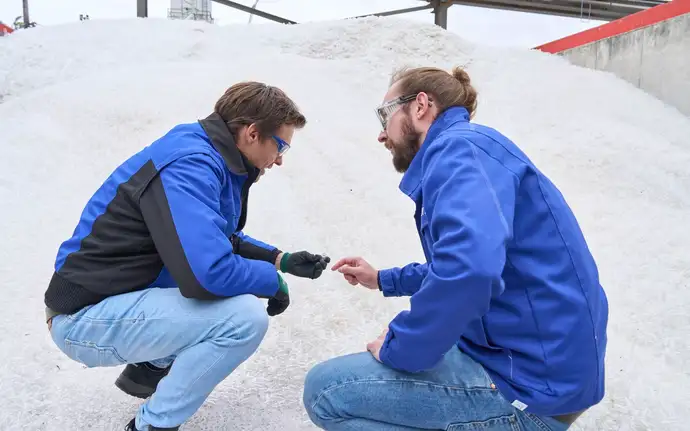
[(604, 10), (196, 10)]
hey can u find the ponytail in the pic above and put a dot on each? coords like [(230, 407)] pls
[(461, 75)]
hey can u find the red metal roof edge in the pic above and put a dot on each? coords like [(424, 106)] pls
[(626, 24)]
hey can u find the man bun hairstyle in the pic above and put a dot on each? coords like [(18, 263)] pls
[(268, 107), (446, 89)]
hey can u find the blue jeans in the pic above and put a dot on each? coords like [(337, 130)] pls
[(356, 393), (206, 340)]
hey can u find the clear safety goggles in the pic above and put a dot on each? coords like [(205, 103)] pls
[(386, 110)]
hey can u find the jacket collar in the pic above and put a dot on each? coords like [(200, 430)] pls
[(222, 140), (409, 184)]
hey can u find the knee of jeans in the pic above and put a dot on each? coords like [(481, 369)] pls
[(317, 381), (251, 319)]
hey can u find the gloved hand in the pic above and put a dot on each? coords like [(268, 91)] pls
[(280, 301), (304, 264)]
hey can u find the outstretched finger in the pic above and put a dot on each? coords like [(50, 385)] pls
[(354, 271), (352, 261)]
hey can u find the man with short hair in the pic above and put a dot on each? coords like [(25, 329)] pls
[(158, 273), (507, 322)]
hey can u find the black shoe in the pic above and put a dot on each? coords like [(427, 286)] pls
[(131, 427), (140, 380)]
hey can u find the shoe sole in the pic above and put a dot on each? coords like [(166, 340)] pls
[(131, 388)]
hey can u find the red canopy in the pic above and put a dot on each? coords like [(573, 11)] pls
[(5, 29)]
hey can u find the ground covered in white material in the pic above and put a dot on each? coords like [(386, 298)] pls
[(78, 99)]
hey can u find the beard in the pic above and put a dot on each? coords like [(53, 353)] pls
[(406, 148)]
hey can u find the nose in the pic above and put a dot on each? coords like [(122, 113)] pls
[(382, 136), (279, 161)]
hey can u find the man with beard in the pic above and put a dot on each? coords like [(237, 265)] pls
[(507, 322)]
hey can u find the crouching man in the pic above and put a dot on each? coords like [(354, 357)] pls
[(158, 273), (507, 322)]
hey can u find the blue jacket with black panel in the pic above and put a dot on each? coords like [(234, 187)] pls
[(169, 216)]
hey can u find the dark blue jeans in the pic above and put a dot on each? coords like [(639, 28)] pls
[(357, 393)]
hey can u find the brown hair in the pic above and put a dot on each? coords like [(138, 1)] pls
[(254, 102), (446, 89)]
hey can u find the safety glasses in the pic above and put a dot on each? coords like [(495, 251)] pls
[(385, 111), (283, 146)]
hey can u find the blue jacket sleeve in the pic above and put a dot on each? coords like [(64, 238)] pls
[(403, 281), (181, 207), (468, 233)]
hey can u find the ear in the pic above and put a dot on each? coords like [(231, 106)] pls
[(423, 104), (252, 133)]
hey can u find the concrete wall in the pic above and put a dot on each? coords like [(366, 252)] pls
[(655, 59), (649, 49)]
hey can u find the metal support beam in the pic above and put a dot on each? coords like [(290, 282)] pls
[(590, 9), (604, 10), (396, 12), (441, 12), (142, 8), (256, 12), (25, 13)]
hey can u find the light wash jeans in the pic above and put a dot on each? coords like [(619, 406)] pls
[(206, 339), (356, 393)]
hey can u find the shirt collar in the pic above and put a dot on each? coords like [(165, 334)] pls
[(222, 140)]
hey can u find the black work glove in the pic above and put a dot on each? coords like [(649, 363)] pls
[(280, 301), (304, 264)]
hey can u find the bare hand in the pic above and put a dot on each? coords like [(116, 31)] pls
[(357, 271), (375, 346)]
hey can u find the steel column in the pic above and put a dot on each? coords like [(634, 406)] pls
[(142, 8), (441, 12)]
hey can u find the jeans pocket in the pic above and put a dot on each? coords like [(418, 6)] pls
[(92, 355), (507, 422)]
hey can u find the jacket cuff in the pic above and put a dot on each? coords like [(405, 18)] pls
[(386, 283), (274, 255)]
